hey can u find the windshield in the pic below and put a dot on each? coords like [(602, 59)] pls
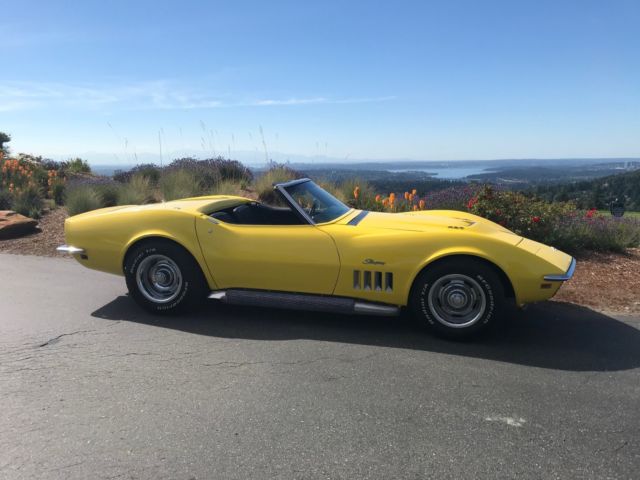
[(320, 205)]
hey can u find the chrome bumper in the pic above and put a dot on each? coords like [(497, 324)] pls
[(69, 249), (566, 276)]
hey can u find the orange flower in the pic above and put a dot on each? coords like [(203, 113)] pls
[(392, 198), (415, 207), (406, 195), (414, 191), (422, 204), (385, 202), (378, 198), (356, 192)]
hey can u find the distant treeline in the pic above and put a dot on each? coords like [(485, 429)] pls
[(385, 181), (597, 193)]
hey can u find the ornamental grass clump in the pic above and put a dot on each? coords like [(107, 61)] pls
[(81, 199), (137, 191), (277, 173), (28, 201), (179, 184)]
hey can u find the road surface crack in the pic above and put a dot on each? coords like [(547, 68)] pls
[(54, 340)]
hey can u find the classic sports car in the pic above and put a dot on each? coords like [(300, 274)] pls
[(455, 271)]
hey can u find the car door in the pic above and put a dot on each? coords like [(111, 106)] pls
[(290, 258)]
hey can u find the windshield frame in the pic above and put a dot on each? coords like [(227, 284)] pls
[(282, 189)]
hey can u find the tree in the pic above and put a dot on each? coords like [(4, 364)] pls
[(4, 138)]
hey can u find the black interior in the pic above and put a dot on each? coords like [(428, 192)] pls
[(254, 213)]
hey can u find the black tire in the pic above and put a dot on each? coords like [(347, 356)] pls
[(458, 298), (176, 284)]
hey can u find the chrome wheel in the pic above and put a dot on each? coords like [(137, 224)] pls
[(159, 278), (457, 300)]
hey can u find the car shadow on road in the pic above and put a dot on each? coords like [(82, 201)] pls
[(550, 335)]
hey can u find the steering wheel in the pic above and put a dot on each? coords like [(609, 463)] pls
[(313, 209)]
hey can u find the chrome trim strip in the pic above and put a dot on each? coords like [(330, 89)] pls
[(218, 295), (358, 218), (291, 183), (69, 249), (303, 301), (564, 277), (366, 308)]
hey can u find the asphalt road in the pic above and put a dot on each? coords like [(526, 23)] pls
[(92, 387)]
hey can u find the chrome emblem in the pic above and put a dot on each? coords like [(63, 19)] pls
[(371, 261)]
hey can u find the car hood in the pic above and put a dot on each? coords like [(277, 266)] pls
[(430, 220)]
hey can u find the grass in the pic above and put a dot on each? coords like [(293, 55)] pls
[(82, 199), (607, 213), (137, 191), (179, 184), (276, 174)]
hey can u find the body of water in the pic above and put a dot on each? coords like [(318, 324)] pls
[(449, 173)]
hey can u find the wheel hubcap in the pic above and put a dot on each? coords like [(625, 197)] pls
[(159, 278), (457, 300)]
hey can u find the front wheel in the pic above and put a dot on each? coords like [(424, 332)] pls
[(458, 298), (164, 278)]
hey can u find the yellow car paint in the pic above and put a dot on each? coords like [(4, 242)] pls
[(335, 258)]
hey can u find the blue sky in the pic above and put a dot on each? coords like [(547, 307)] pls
[(425, 80)]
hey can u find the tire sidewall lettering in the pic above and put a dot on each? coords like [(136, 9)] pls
[(143, 253), (424, 309)]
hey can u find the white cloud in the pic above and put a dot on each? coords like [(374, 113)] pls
[(160, 95)]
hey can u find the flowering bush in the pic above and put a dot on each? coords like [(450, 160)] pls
[(558, 224), (530, 217), (25, 183)]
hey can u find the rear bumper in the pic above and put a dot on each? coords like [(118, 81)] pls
[(565, 276), (70, 249)]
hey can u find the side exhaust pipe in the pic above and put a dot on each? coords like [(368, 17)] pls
[(301, 301)]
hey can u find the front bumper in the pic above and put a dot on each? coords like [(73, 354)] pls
[(563, 277)]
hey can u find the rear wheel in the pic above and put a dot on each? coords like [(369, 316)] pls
[(458, 298), (164, 278)]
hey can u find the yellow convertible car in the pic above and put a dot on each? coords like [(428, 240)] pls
[(455, 271)]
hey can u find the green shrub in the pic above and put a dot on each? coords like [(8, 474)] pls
[(28, 202), (6, 200), (137, 191), (530, 217), (334, 190), (109, 194), (365, 192), (558, 224), (584, 231), (82, 199), (76, 166), (212, 171), (277, 173), (179, 184), (148, 170), (227, 187), (57, 192)]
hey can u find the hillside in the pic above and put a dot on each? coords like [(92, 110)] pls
[(597, 193)]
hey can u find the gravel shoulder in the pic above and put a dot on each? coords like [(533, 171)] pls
[(42, 243)]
